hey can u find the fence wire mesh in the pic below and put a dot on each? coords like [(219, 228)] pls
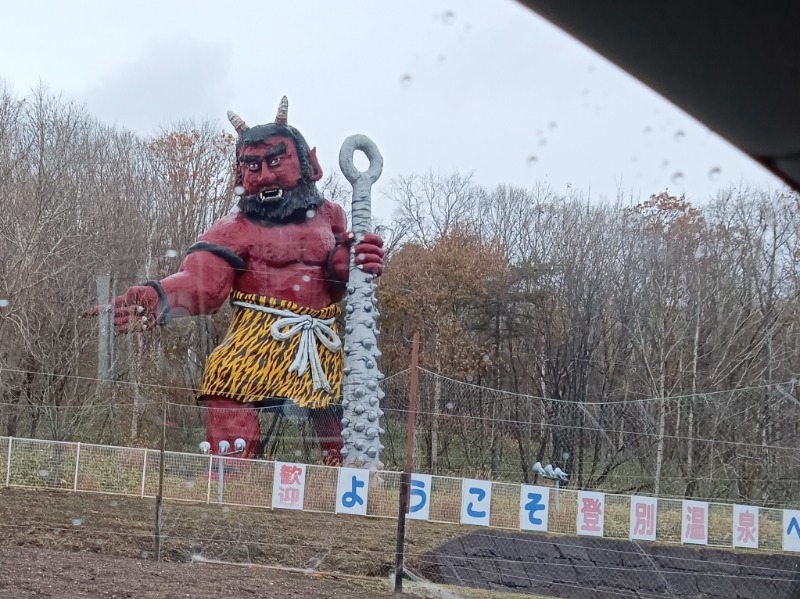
[(195, 478), (740, 445)]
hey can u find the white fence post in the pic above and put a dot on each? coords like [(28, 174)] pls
[(8, 463), (210, 467), (77, 464), (144, 471)]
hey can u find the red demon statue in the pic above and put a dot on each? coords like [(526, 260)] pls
[(282, 260)]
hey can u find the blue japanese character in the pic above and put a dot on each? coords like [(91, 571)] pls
[(535, 505), (793, 525), (352, 498), (480, 494), (417, 490)]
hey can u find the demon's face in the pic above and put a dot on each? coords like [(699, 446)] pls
[(276, 171), (269, 168)]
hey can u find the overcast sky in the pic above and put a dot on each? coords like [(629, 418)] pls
[(474, 85)]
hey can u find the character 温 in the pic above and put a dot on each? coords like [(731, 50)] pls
[(282, 260)]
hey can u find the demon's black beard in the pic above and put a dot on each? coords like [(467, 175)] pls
[(291, 207)]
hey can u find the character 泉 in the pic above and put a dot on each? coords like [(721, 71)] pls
[(282, 260)]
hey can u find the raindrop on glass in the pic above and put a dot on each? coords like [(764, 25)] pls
[(677, 177), (552, 125), (4, 303), (310, 214), (679, 135), (171, 254), (238, 190), (189, 484), (448, 17), (532, 159), (306, 278), (297, 453), (440, 58), (114, 504), (77, 522), (714, 173), (647, 130), (470, 378), (44, 473), (449, 405), (486, 358), (226, 509), (543, 142), (360, 257), (405, 80), (296, 287), (665, 164)]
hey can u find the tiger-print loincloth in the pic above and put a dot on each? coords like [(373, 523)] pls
[(250, 365)]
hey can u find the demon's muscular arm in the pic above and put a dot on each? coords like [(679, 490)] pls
[(200, 286), (368, 254)]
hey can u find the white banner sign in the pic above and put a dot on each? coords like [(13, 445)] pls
[(644, 512), (476, 501), (591, 513), (419, 505), (534, 507), (694, 527), (351, 491), (791, 530), (288, 486), (745, 526)]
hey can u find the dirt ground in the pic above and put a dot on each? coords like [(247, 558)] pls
[(66, 545), (28, 572)]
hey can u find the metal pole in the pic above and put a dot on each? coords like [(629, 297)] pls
[(105, 325), (208, 487), (558, 486), (77, 463), (405, 480), (220, 475), (8, 463), (144, 471), (160, 494)]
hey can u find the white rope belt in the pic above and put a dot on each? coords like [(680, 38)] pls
[(288, 325)]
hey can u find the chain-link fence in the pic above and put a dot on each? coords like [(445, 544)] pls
[(741, 445)]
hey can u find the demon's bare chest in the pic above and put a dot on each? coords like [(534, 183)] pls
[(308, 242)]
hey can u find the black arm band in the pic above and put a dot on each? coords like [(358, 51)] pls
[(163, 304), (220, 251)]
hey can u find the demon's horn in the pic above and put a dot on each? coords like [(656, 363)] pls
[(237, 122), (283, 112)]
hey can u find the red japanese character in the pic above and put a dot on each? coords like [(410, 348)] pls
[(290, 474)]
